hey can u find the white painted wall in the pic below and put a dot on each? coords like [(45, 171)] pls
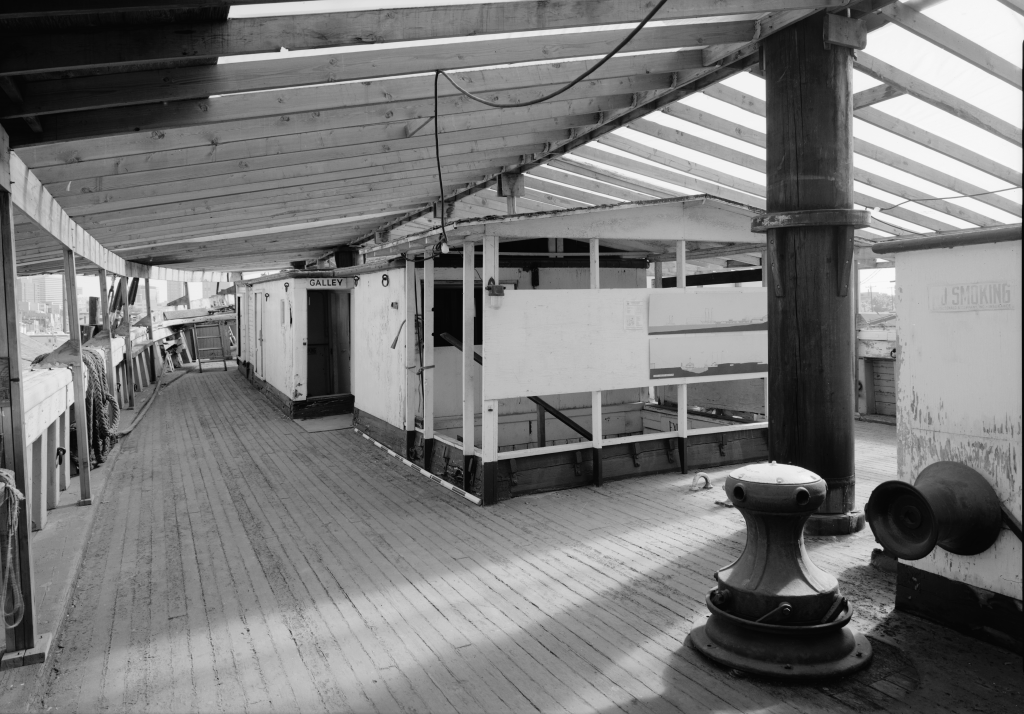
[(959, 390), (378, 372)]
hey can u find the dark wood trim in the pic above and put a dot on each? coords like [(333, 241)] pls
[(379, 430), (981, 613), (952, 239), (323, 406)]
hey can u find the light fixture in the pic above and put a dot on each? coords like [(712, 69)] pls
[(495, 293)]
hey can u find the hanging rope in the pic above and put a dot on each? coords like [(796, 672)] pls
[(514, 105), (11, 497), (102, 411)]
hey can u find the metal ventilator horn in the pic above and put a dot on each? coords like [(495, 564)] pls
[(950, 505)]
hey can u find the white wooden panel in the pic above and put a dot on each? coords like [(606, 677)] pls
[(709, 354), (558, 341), (678, 311), (958, 389), (378, 371)]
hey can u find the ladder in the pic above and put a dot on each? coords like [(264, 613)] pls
[(213, 342)]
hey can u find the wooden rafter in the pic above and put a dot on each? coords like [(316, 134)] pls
[(941, 36), (893, 125), (102, 47), (919, 89)]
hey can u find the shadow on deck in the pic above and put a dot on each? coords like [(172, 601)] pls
[(239, 563)]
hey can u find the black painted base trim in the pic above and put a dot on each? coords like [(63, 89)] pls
[(981, 613), (303, 409)]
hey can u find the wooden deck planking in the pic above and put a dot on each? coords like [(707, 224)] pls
[(240, 563)]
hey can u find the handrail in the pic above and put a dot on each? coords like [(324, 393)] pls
[(457, 344)]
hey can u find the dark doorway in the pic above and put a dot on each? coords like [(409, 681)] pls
[(328, 323)]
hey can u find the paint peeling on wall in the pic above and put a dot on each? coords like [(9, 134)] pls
[(959, 391)]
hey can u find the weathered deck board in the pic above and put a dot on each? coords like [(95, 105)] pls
[(239, 563)]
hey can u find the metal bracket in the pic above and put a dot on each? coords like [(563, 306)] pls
[(844, 32), (772, 252), (856, 217), (770, 223), (844, 262)]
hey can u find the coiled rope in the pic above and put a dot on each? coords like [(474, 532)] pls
[(12, 498)]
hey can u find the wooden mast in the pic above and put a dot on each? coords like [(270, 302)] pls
[(810, 314)]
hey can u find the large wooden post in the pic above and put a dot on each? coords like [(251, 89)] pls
[(78, 380), (23, 638), (810, 315)]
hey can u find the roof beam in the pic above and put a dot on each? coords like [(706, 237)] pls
[(890, 124), (38, 205), (938, 98), (263, 168), (365, 102), (103, 91), (48, 51), (735, 61), (757, 138), (493, 152), (956, 44), (13, 9), (346, 143)]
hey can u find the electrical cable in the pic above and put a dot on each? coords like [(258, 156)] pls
[(441, 245), (949, 198)]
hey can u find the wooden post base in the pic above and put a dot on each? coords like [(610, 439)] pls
[(824, 524), (22, 658)]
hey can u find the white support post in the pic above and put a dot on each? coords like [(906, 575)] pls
[(156, 365), (680, 263), (428, 361), (595, 263), (78, 379), (468, 366), (126, 325), (22, 638), (105, 314), (657, 274), (412, 380), (489, 413), (596, 429), (684, 426)]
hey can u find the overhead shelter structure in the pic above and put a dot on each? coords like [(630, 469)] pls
[(183, 140)]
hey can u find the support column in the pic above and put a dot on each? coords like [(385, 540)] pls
[(105, 315), (78, 380), (23, 637), (153, 361), (468, 368), (412, 380), (428, 361), (681, 390), (126, 327), (810, 338), (489, 412), (596, 420)]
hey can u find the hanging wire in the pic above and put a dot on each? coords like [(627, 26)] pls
[(949, 198), (442, 244)]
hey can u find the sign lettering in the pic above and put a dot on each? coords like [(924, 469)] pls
[(968, 297), (329, 283)]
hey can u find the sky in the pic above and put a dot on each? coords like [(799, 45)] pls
[(986, 22)]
